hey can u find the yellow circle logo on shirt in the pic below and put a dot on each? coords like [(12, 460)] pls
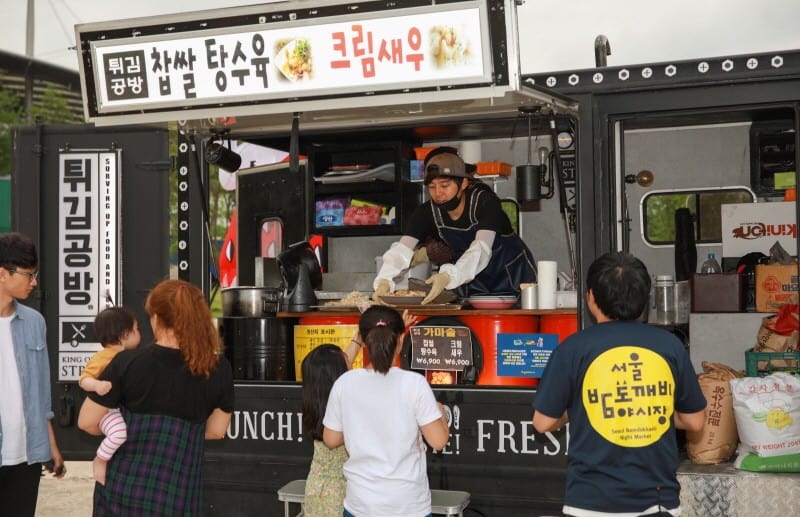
[(628, 393)]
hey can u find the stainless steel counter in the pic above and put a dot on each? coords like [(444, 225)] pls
[(721, 490)]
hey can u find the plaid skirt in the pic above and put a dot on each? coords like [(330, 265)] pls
[(157, 471)]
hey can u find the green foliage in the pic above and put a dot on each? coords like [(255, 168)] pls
[(11, 114), (53, 108), (661, 216)]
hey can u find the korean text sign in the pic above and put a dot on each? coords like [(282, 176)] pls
[(250, 63), (88, 262)]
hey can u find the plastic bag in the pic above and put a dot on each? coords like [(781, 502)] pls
[(786, 321)]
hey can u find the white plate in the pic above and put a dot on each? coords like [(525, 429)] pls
[(478, 303), (284, 56), (492, 298)]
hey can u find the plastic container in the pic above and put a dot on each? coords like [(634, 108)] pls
[(683, 302), (664, 294), (710, 266), (493, 168), (759, 364)]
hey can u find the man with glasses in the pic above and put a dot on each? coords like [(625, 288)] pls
[(487, 256), (26, 433)]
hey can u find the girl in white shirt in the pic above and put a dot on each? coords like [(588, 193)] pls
[(381, 413)]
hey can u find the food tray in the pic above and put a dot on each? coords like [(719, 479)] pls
[(402, 300), (759, 364)]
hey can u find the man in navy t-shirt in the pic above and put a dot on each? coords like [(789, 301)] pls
[(625, 387)]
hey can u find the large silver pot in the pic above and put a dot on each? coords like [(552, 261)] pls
[(250, 302)]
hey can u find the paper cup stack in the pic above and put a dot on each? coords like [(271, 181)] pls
[(548, 279)]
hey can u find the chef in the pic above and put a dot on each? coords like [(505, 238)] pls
[(487, 256)]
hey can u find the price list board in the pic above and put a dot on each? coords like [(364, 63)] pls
[(440, 348)]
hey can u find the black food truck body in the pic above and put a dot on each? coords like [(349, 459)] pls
[(219, 76)]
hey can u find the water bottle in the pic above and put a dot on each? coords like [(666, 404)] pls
[(710, 266)]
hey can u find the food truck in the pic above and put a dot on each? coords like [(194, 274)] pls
[(354, 94)]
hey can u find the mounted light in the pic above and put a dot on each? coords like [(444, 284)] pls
[(221, 156), (532, 178)]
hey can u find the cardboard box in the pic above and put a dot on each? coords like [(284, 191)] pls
[(719, 292), (775, 283), (748, 227)]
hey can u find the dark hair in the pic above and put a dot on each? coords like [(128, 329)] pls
[(620, 284), (379, 327), (17, 250), (320, 368), (113, 323), (182, 308)]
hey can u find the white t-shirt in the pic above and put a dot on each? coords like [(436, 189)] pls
[(12, 415), (380, 416)]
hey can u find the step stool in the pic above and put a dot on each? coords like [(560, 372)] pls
[(443, 502)]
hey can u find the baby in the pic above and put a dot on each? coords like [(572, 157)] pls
[(117, 329)]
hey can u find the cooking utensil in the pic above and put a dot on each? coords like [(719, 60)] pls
[(402, 300), (250, 302), (447, 296)]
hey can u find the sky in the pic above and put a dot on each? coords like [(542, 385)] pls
[(554, 34)]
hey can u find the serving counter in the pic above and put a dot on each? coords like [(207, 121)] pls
[(339, 326), (445, 311)]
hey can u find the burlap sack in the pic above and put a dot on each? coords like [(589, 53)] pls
[(718, 440)]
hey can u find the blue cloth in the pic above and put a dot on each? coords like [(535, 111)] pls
[(620, 383), (30, 349)]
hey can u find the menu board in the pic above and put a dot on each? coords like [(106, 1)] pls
[(388, 50), (440, 348)]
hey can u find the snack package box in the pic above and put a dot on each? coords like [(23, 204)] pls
[(775, 283)]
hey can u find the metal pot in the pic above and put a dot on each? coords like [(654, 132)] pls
[(250, 302)]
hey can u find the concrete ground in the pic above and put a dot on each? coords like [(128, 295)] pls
[(70, 495)]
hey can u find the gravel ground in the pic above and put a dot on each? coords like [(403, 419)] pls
[(70, 495)]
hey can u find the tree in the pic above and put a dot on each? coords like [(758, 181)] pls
[(11, 114), (53, 108)]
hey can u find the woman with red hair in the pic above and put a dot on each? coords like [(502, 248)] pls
[(173, 395)]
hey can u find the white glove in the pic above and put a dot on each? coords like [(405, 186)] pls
[(420, 256), (437, 281), (381, 289)]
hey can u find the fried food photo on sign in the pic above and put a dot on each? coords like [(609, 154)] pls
[(449, 46), (293, 59)]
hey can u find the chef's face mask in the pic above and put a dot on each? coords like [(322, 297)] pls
[(452, 203)]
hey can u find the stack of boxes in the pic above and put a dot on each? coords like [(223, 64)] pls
[(756, 227)]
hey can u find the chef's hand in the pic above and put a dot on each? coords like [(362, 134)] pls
[(420, 256), (437, 281), (382, 289)]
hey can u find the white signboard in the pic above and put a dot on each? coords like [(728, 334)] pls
[(76, 346), (252, 63), (88, 267), (749, 227)]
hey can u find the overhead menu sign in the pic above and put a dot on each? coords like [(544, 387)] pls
[(372, 51)]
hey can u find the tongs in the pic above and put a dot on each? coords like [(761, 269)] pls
[(447, 296)]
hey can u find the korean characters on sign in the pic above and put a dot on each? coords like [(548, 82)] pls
[(436, 48)]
